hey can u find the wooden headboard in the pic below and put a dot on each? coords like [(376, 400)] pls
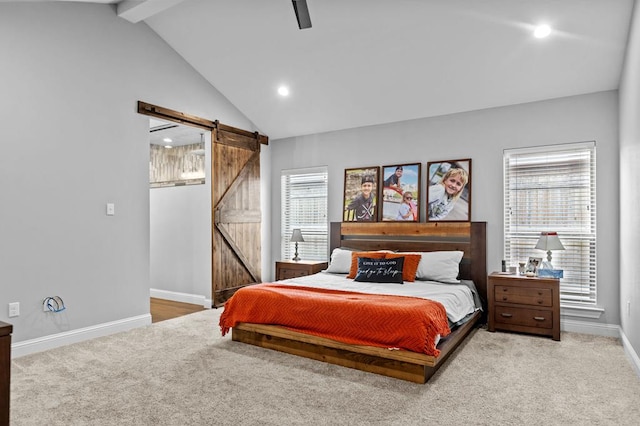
[(468, 237)]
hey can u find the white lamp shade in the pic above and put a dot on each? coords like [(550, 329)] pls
[(549, 241), (296, 236)]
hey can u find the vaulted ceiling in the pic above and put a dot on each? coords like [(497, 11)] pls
[(367, 62)]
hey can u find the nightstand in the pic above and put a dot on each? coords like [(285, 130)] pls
[(290, 269), (5, 370), (524, 304)]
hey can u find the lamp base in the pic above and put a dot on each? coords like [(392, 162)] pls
[(296, 258)]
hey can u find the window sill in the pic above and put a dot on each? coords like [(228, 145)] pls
[(592, 312)]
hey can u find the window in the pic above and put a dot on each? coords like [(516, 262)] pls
[(553, 188), (304, 206)]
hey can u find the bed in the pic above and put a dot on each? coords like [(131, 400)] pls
[(411, 365)]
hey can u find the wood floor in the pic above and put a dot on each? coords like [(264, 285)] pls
[(162, 309)]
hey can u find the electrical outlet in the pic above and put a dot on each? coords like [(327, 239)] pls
[(14, 309)]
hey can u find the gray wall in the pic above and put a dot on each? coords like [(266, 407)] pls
[(481, 136), (629, 189), (72, 141)]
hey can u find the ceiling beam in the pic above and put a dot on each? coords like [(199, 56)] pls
[(138, 10)]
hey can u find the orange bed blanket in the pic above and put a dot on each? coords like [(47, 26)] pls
[(356, 318)]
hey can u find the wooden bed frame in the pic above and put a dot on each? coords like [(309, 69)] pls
[(469, 237)]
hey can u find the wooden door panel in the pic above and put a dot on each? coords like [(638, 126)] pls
[(236, 258)]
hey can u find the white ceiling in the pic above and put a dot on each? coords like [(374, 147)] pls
[(178, 133), (368, 62)]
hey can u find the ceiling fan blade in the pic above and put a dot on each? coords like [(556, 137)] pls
[(302, 13)]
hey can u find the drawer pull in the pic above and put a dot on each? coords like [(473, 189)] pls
[(505, 298), (540, 301), (506, 315), (538, 318)]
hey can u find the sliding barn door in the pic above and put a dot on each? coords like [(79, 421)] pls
[(235, 188)]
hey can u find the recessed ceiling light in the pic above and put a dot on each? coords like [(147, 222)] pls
[(283, 91), (542, 31), (168, 146), (168, 140)]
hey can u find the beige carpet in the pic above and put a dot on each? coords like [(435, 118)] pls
[(182, 372)]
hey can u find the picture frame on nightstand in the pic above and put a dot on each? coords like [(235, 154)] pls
[(533, 264)]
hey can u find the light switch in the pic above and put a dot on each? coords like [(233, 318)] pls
[(14, 309), (111, 209)]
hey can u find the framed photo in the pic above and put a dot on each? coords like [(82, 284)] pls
[(361, 194), (449, 191), (533, 264), (401, 192)]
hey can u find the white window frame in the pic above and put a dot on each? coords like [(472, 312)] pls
[(304, 195), (553, 188)]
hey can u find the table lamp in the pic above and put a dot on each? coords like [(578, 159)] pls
[(549, 241), (296, 237)]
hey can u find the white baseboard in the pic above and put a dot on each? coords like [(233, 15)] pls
[(75, 336), (631, 353), (586, 327), (194, 299)]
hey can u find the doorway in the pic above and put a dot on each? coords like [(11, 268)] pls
[(235, 215), (180, 214)]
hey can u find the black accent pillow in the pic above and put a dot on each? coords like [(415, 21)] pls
[(380, 270)]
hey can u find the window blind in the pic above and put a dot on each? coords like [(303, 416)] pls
[(304, 206), (553, 188)]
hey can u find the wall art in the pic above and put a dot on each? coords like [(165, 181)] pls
[(361, 194), (449, 191), (401, 192)]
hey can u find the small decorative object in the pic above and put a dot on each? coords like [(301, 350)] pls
[(550, 273), (532, 266), (549, 241), (449, 191), (296, 237), (521, 268), (401, 192), (361, 194)]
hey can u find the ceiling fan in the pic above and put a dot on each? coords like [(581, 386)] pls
[(302, 13)]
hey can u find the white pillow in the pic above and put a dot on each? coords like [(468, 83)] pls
[(442, 266), (340, 261)]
